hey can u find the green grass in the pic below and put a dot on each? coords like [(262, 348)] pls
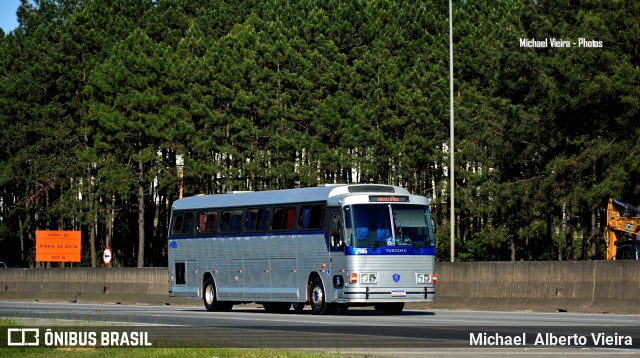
[(151, 352)]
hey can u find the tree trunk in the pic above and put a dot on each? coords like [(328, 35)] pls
[(110, 203), (21, 236), (592, 236), (92, 231), (568, 232), (141, 215)]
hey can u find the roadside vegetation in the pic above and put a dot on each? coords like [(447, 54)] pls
[(110, 111)]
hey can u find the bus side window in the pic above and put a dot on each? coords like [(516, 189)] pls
[(188, 224), (207, 222), (305, 216), (256, 220), (212, 222), (276, 220), (291, 216), (250, 220), (176, 226), (236, 220), (317, 213), (263, 219), (201, 222), (311, 217), (182, 224), (225, 221), (283, 219), (231, 221), (348, 234)]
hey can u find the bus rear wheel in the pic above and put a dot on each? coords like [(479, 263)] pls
[(211, 300), (317, 298)]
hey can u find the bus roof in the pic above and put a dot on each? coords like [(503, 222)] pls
[(271, 197)]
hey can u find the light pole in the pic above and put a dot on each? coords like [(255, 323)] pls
[(451, 149)]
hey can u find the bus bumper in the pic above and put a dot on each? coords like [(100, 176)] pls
[(382, 294)]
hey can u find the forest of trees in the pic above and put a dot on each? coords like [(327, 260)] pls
[(110, 110)]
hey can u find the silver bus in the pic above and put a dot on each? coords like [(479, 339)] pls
[(329, 247)]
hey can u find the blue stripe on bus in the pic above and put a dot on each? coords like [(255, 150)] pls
[(173, 240), (389, 250)]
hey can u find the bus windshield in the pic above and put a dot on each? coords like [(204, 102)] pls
[(374, 225)]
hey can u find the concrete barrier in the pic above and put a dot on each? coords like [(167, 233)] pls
[(583, 286), (84, 285)]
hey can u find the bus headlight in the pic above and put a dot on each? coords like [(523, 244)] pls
[(423, 278), (364, 277)]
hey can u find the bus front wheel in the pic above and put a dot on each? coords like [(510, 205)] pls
[(317, 299)]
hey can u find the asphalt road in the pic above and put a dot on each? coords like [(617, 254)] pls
[(353, 332)]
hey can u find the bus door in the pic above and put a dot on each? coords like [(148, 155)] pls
[(336, 248)]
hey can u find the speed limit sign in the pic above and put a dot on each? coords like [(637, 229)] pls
[(106, 256)]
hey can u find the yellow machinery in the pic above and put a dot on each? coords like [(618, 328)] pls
[(623, 231)]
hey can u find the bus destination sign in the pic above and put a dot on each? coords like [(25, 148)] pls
[(388, 199)]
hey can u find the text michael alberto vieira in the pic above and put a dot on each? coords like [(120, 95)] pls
[(599, 339), (557, 43)]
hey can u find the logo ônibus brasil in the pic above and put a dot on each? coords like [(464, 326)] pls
[(37, 337)]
